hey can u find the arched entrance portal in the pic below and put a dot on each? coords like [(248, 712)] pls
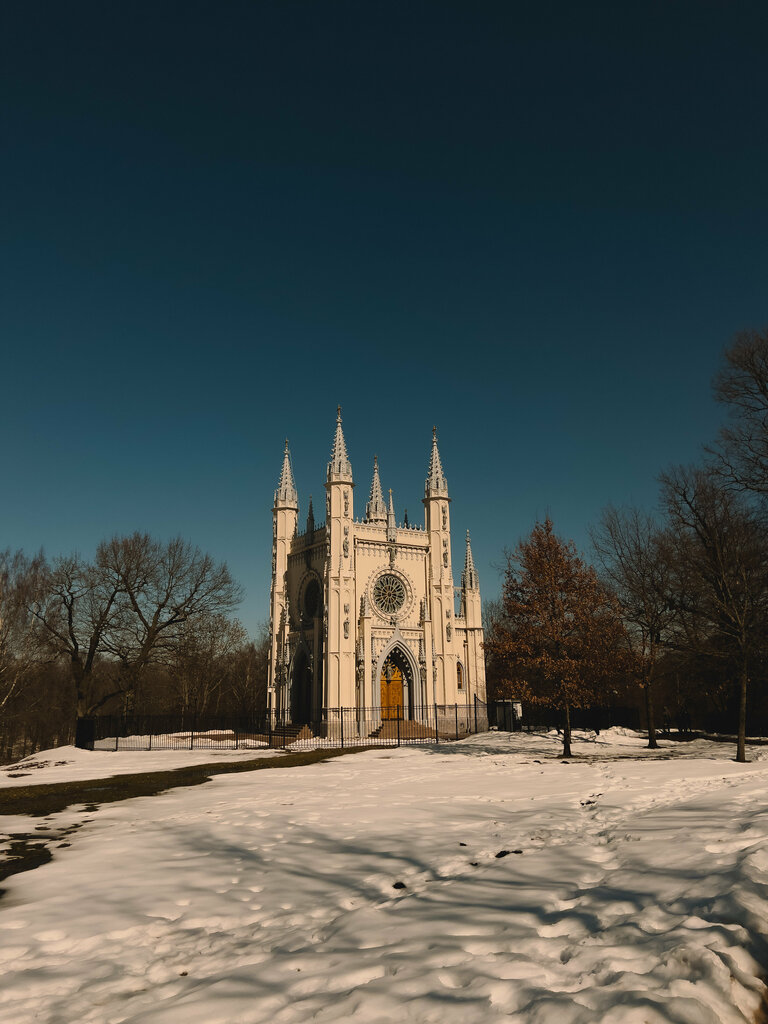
[(301, 689), (396, 685)]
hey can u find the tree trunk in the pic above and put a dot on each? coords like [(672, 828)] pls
[(741, 742), (652, 744), (79, 679), (567, 733)]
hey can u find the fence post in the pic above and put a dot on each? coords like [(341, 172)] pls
[(237, 740), (269, 729), (341, 719), (283, 730), (475, 714), (437, 731), (398, 725), (117, 738), (456, 706), (150, 738), (192, 733)]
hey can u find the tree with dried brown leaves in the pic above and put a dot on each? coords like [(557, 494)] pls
[(561, 640)]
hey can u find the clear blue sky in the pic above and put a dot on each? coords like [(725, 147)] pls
[(535, 225)]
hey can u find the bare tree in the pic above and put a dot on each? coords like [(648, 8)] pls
[(19, 652), (742, 386), (74, 604), (246, 691), (135, 605), (202, 662), (635, 557), (721, 558), (163, 592)]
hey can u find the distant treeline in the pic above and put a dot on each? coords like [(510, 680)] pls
[(144, 627), (675, 607)]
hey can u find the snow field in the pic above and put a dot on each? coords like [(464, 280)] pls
[(630, 891), (70, 763)]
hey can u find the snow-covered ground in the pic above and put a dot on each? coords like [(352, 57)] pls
[(70, 763), (631, 889)]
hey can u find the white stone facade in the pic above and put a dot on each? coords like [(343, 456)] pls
[(363, 611)]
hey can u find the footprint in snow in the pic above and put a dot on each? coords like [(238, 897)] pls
[(591, 799)]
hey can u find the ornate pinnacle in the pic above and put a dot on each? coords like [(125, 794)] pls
[(339, 468), (436, 484), (286, 495), (391, 524), (469, 578), (376, 510)]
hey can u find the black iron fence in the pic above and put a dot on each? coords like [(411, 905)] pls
[(333, 727), (513, 715)]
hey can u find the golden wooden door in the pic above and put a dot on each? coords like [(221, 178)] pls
[(391, 692)]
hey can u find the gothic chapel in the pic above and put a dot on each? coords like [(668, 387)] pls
[(362, 611)]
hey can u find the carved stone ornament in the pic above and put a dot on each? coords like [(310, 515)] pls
[(448, 631), (346, 503), (445, 559), (445, 518), (346, 629)]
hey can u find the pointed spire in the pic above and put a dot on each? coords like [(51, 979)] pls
[(339, 468), (469, 578), (436, 485), (310, 517), (376, 510), (391, 524), (285, 495)]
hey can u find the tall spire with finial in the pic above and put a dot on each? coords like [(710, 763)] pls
[(376, 510), (285, 495), (469, 578), (339, 468), (310, 517), (391, 524), (436, 484)]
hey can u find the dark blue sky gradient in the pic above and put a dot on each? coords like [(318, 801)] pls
[(536, 225)]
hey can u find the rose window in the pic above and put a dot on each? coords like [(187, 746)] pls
[(389, 593)]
